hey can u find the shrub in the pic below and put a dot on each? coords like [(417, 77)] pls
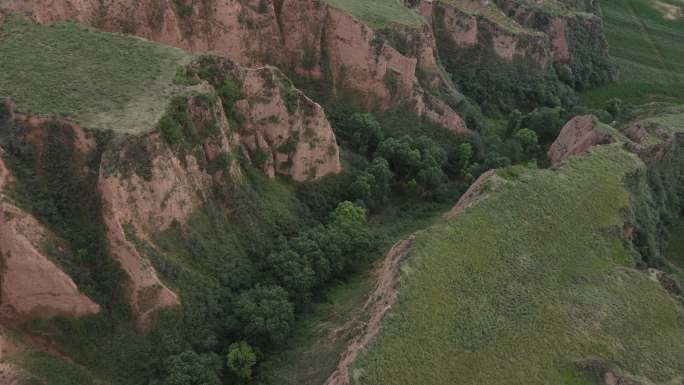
[(230, 92), (241, 359), (190, 368), (265, 314)]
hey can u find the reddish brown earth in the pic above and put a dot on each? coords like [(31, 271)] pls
[(577, 137), (465, 27), (471, 195), (378, 303)]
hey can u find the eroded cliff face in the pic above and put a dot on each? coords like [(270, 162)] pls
[(144, 183), (308, 38), (277, 122), (575, 35), (468, 24), (31, 284)]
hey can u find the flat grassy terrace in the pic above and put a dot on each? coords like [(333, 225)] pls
[(101, 80), (378, 13)]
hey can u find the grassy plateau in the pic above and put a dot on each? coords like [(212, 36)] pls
[(101, 80), (531, 285)]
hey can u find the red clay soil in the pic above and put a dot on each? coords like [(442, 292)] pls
[(378, 303)]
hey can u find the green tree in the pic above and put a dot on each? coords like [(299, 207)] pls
[(348, 214), (241, 359), (190, 368), (362, 187), (293, 272), (361, 131), (419, 159), (614, 107), (527, 139), (383, 176), (514, 122), (265, 314), (462, 157)]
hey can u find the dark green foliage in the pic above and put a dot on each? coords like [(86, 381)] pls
[(395, 40), (289, 146), (230, 92), (185, 77), (361, 130), (290, 96), (495, 84), (221, 162), (293, 272), (241, 359), (190, 368), (391, 82), (419, 159), (176, 124), (546, 122), (265, 314), (259, 158)]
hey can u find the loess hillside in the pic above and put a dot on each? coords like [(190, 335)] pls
[(341, 192)]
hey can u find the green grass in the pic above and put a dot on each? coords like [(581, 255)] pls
[(649, 50), (531, 281), (101, 80), (379, 13)]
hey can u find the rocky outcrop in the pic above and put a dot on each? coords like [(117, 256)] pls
[(30, 284), (308, 38), (577, 137), (468, 24), (277, 122), (471, 195)]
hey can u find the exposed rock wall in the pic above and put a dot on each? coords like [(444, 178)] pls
[(470, 24), (307, 37), (577, 137), (575, 33)]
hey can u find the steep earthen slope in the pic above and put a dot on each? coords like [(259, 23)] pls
[(31, 285), (307, 37)]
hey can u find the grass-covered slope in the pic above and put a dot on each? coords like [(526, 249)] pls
[(531, 285), (101, 80), (378, 13), (647, 45)]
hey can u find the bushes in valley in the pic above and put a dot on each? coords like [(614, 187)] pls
[(190, 368)]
